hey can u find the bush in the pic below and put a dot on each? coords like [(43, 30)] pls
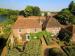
[(69, 50)]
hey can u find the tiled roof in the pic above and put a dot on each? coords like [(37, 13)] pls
[(36, 17), (26, 23), (34, 22), (52, 22)]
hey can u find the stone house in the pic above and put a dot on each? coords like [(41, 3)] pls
[(27, 25), (34, 24), (52, 25)]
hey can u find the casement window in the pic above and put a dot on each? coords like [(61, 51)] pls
[(19, 30)]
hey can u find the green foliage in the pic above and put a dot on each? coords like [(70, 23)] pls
[(22, 13), (32, 48), (36, 11), (7, 30), (47, 37), (40, 34), (28, 10), (69, 50), (3, 11), (37, 35), (46, 34), (72, 7), (65, 35), (32, 11), (66, 15), (10, 14)]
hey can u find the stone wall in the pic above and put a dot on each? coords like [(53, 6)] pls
[(54, 31), (18, 32)]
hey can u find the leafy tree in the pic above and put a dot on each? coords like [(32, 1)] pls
[(66, 15), (36, 11), (72, 7), (29, 10), (22, 13), (8, 12), (32, 11), (72, 19)]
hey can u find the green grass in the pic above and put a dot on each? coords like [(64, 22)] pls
[(40, 34)]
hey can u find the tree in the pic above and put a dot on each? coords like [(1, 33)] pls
[(22, 13), (32, 11), (67, 15), (72, 7), (29, 10), (36, 11), (64, 16)]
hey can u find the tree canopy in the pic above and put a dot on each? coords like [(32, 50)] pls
[(67, 15), (72, 7), (31, 11)]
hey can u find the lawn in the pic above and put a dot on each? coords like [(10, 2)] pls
[(40, 34)]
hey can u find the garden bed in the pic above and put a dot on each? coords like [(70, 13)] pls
[(32, 48)]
